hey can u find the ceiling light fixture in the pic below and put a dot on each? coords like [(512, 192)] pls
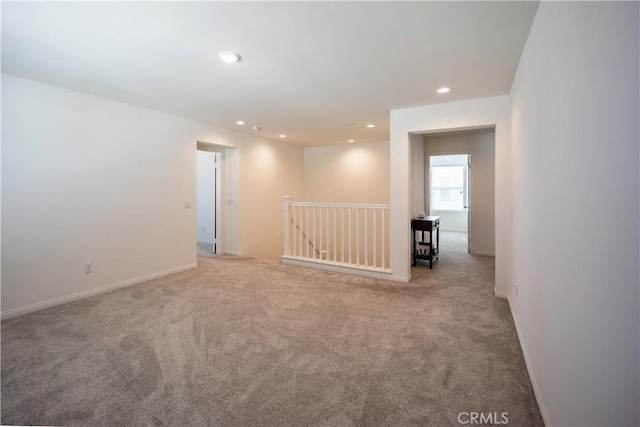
[(371, 125), (282, 135), (240, 123), (256, 128), (352, 140), (229, 57), (444, 90)]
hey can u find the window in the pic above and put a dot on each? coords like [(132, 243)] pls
[(448, 188)]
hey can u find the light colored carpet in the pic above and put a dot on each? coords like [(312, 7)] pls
[(454, 241), (248, 342), (205, 250)]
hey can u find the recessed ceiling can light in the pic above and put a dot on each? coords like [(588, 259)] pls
[(352, 140), (256, 128), (371, 125), (444, 90), (240, 123), (229, 56), (282, 135)]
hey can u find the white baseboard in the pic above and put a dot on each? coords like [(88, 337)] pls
[(91, 292), (234, 253), (483, 254), (532, 377), (401, 279), (501, 294), (385, 274)]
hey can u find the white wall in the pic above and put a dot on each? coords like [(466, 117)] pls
[(230, 232), (481, 147), (355, 173), (419, 197), (205, 196), (268, 170), (575, 211), (86, 179), (479, 113)]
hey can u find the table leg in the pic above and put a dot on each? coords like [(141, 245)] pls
[(415, 249), (431, 251)]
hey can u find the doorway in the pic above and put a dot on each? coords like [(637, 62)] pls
[(448, 197), (208, 202), (478, 147)]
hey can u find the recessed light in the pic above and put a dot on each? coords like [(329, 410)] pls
[(371, 125), (229, 56), (282, 135), (256, 128), (352, 140), (444, 90), (240, 123)]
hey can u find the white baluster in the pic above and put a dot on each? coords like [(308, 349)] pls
[(384, 233), (335, 240), (313, 225), (320, 230), (342, 235), (306, 234), (350, 247), (292, 226), (366, 234), (375, 232), (358, 236), (287, 221), (299, 229), (327, 232)]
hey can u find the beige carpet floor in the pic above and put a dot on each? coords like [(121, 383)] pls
[(247, 342), (453, 241)]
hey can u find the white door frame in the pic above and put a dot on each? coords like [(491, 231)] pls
[(226, 214), (466, 184)]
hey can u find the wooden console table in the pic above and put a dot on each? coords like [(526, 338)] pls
[(425, 249)]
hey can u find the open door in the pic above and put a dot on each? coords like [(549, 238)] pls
[(216, 200), (208, 201), (449, 197), (467, 198)]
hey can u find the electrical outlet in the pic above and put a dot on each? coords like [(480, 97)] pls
[(88, 268), (187, 204)]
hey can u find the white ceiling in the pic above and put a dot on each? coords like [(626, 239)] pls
[(308, 69)]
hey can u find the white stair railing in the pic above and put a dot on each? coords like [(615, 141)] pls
[(345, 235)]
